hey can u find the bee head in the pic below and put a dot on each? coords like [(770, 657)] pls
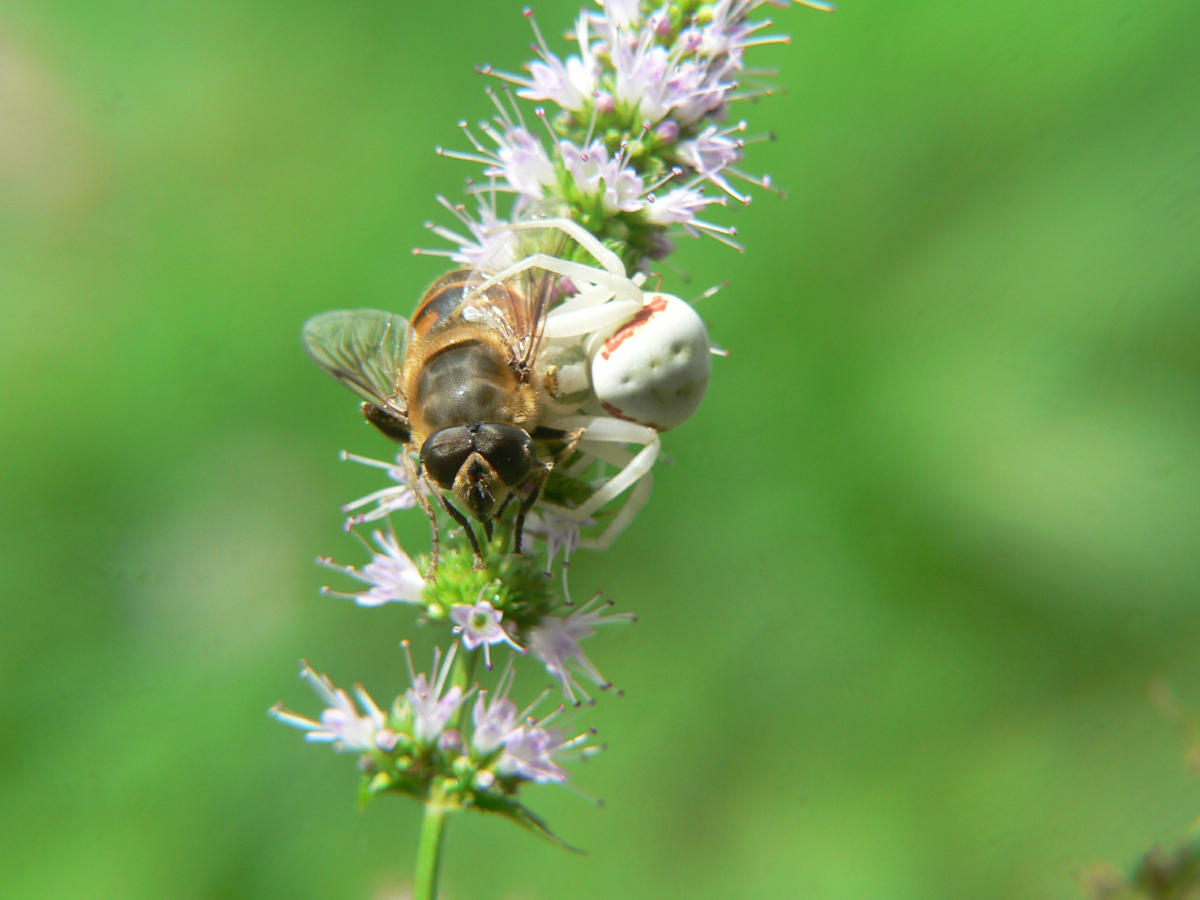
[(479, 486), (480, 463)]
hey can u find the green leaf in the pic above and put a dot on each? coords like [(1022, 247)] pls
[(523, 816)]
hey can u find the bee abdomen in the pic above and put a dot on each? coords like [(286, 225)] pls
[(464, 383)]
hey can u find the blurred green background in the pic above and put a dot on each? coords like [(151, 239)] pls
[(901, 591)]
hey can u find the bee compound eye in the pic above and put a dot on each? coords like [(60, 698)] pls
[(444, 453), (508, 449)]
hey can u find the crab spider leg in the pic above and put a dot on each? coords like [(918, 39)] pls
[(610, 275), (614, 431), (572, 323), (617, 525), (615, 295), (584, 238), (591, 295), (619, 285), (630, 508), (633, 503), (592, 309)]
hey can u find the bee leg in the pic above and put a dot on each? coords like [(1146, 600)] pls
[(458, 517), (388, 421), (604, 430), (420, 490), (433, 540), (526, 505), (503, 506), (487, 529), (570, 440)]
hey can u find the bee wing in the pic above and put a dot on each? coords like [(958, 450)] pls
[(518, 309), (361, 348), (539, 294)]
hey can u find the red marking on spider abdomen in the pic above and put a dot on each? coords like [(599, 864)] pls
[(657, 305), (617, 414)]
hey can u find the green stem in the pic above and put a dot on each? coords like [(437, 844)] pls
[(429, 850), (437, 807)]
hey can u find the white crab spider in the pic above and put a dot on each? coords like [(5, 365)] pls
[(620, 295), (634, 502), (643, 358)]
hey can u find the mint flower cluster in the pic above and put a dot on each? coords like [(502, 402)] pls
[(416, 745), (640, 144), (424, 739), (573, 198)]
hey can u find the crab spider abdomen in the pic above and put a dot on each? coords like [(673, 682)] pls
[(652, 368)]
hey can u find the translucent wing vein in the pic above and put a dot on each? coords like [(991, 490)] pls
[(361, 348)]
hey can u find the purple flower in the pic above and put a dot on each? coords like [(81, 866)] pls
[(624, 14), (488, 245), (712, 152), (522, 161), (526, 746), (618, 186), (481, 624), (643, 75), (555, 641), (340, 723), (528, 753), (571, 84), (678, 206), (494, 717), (391, 575), (387, 500), (560, 534), (633, 76), (431, 708)]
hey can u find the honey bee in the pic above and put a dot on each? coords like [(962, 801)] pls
[(455, 385), (484, 410)]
